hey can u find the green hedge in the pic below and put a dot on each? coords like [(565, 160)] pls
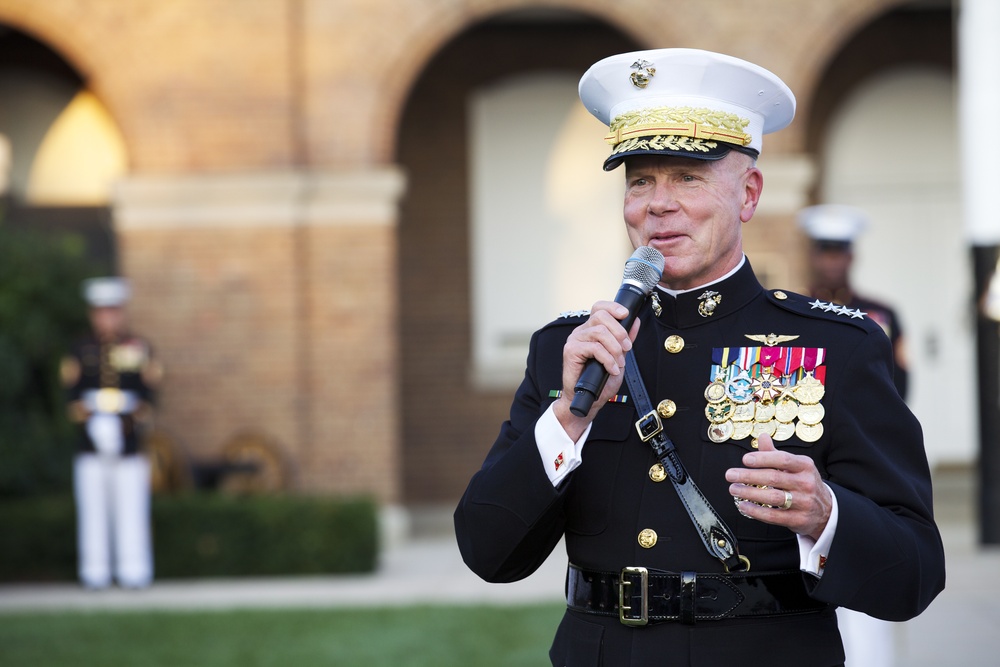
[(41, 311), (203, 535)]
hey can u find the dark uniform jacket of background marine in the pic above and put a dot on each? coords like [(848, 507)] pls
[(882, 315), (887, 557), (126, 364)]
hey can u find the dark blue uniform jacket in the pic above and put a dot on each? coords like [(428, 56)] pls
[(886, 560)]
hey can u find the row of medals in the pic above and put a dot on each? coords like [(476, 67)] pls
[(741, 407)]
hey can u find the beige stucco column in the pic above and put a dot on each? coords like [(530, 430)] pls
[(271, 299)]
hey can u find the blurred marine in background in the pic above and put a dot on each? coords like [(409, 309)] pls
[(110, 376), (868, 641), (833, 229)]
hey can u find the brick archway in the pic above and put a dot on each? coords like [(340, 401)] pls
[(447, 425)]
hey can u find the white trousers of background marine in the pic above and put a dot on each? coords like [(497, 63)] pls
[(868, 642), (113, 514)]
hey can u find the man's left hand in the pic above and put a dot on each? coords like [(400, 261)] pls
[(781, 479)]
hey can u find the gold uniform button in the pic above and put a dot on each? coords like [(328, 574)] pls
[(673, 344), (647, 538), (779, 295), (666, 408), (657, 473)]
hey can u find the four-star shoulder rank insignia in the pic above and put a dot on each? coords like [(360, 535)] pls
[(830, 307), (770, 339)]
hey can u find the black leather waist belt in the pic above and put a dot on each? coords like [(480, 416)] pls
[(638, 596)]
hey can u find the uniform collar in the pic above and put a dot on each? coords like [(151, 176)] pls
[(709, 303)]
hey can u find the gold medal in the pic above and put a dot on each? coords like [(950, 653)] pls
[(786, 410), (809, 390), (811, 414), (743, 413), (719, 412), (764, 427), (809, 432), (720, 432), (715, 392), (784, 431), (742, 430), (764, 412)]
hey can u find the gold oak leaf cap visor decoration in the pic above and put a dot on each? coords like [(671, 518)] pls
[(684, 102)]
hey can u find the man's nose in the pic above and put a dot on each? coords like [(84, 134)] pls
[(664, 199)]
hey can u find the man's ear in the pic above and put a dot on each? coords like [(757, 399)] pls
[(753, 184)]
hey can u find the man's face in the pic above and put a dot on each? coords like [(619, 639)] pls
[(831, 265), (691, 211), (107, 321)]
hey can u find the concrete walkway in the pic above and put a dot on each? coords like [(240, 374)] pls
[(959, 628)]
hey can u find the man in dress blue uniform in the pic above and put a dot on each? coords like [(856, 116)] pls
[(780, 474), (110, 377), (832, 230)]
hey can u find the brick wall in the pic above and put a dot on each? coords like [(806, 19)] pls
[(218, 305), (267, 317)]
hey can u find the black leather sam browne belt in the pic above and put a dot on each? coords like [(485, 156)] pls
[(638, 596), (718, 539)]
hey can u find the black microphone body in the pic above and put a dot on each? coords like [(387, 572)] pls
[(642, 272)]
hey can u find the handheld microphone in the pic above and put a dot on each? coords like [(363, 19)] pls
[(642, 271)]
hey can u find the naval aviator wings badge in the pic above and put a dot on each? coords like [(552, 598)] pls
[(771, 339)]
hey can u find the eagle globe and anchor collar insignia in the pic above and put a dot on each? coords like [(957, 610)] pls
[(708, 302)]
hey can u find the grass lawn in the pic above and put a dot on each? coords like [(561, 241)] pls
[(431, 636)]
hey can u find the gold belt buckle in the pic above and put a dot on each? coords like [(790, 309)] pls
[(648, 426), (643, 617), (110, 399)]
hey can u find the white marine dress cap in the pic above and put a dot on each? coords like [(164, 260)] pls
[(684, 102), (108, 292), (832, 223)]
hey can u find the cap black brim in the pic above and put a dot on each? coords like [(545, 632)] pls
[(715, 153)]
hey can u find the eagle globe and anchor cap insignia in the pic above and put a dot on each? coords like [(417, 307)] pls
[(644, 71)]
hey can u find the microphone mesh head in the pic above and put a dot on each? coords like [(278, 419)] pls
[(644, 268)]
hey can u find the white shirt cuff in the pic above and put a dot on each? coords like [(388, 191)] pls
[(560, 455), (813, 553)]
